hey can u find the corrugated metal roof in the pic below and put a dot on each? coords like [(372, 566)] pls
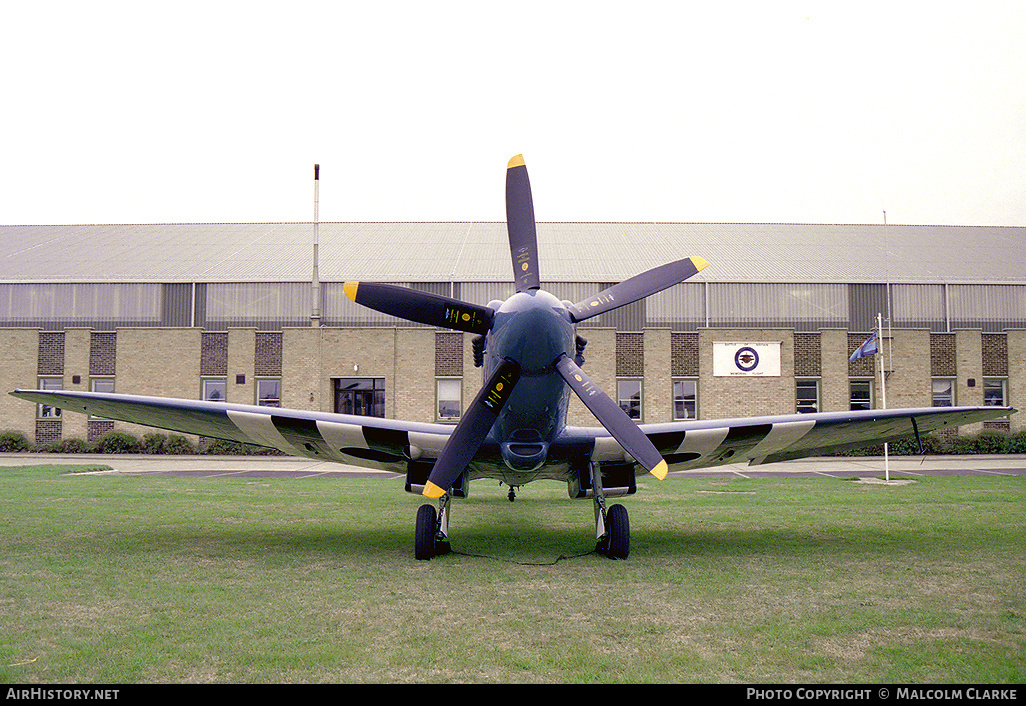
[(467, 252)]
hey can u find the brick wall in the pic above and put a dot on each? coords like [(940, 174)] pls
[(267, 359), (448, 354), (214, 354), (942, 355), (807, 352), (51, 353), (19, 351), (630, 355), (684, 354), (721, 397), (169, 362), (103, 349)]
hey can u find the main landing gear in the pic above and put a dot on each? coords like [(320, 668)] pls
[(612, 525), (430, 540), (615, 543)]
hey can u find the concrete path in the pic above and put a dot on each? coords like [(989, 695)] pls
[(285, 466)]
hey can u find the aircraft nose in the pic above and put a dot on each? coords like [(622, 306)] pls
[(543, 336), (524, 455)]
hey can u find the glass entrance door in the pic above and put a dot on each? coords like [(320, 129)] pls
[(362, 396)]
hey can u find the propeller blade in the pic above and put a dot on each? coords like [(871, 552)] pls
[(472, 429), (423, 307), (638, 287), (614, 419), (523, 236)]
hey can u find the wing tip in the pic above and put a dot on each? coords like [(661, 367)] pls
[(515, 161)]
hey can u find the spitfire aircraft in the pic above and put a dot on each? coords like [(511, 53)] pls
[(515, 429)]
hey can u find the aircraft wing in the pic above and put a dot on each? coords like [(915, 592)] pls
[(370, 442), (387, 444), (756, 440)]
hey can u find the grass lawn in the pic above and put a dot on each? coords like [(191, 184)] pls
[(123, 579)]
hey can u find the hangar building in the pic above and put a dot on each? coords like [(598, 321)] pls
[(232, 312)]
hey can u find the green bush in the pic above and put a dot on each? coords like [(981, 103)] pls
[(1016, 443), (179, 446), (13, 441), (988, 442), (117, 442), (72, 446), (909, 447), (153, 444)]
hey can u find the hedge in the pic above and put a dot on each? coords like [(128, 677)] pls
[(117, 442)]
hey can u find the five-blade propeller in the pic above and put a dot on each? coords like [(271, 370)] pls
[(434, 310)]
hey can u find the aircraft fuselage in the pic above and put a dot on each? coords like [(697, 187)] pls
[(534, 329)]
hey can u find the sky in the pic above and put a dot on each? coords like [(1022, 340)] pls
[(753, 112)]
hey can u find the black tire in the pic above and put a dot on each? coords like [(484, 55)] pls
[(424, 543), (619, 527)]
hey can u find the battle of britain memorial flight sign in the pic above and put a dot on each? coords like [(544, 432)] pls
[(760, 359)]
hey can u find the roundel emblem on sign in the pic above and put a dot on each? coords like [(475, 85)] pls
[(746, 359)]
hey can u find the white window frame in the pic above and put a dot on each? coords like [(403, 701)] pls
[(45, 411), (682, 398), (268, 401), (872, 391), (996, 382), (626, 402), (937, 387), (205, 394), (808, 381), (441, 382)]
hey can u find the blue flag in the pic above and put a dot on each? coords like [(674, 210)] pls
[(869, 347)]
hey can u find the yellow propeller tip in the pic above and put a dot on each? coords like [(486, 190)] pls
[(434, 492), (350, 289), (660, 470), (699, 263), (517, 161)]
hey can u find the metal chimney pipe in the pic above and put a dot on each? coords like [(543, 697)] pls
[(315, 292)]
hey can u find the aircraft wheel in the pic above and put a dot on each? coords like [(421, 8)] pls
[(424, 543), (619, 527)]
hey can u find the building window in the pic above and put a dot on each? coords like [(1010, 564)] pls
[(807, 396), (215, 390), (995, 392), (268, 392), (685, 399), (861, 394), (101, 385), (449, 396), (45, 411), (628, 394), (361, 396), (943, 392)]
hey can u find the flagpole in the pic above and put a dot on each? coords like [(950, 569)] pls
[(883, 391)]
